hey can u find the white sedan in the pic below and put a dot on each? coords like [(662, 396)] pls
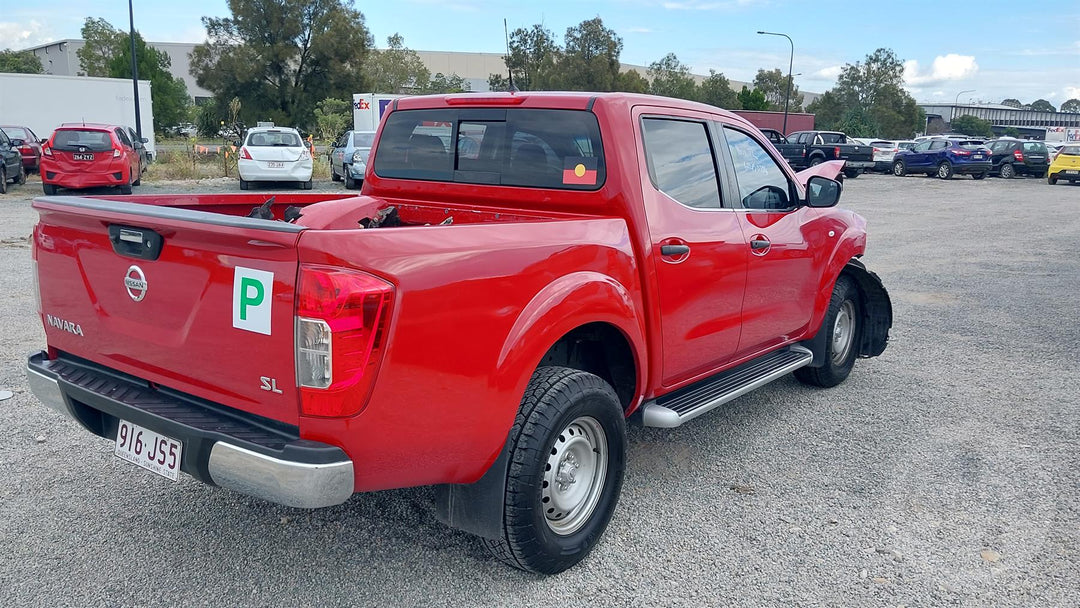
[(274, 154)]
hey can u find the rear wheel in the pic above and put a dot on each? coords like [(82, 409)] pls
[(350, 183), (817, 160), (852, 173), (1052, 181), (333, 174), (944, 170), (3, 180), (567, 453), (899, 169), (21, 179), (305, 185), (126, 189), (49, 189), (1007, 171), (843, 324), (138, 182), (243, 184), (978, 175)]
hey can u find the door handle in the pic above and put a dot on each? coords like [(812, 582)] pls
[(674, 250), (759, 244)]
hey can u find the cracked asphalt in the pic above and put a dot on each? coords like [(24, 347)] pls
[(945, 472)]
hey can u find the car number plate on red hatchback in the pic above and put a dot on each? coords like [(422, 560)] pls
[(78, 156), (275, 165), (149, 450)]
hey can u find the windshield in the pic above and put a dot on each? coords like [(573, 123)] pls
[(74, 139), (274, 138), (883, 144), (363, 139), (1071, 151), (513, 147)]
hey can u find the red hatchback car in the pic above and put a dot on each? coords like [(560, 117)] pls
[(87, 155)]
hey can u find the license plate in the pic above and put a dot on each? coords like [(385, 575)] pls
[(1071, 172), (275, 165), (149, 450), (977, 157), (78, 156)]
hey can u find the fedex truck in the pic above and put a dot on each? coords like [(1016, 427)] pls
[(368, 109), (44, 102)]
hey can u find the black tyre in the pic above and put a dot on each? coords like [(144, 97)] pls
[(21, 179), (138, 182), (350, 183), (305, 185), (978, 175), (945, 170), (1052, 181), (244, 184), (333, 175), (852, 173), (843, 324), (3, 180), (567, 454), (817, 160), (49, 189), (899, 169), (1007, 171)]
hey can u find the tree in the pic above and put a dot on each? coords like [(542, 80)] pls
[(101, 41), (20, 62), (170, 99), (533, 60), (671, 78), (874, 88), (716, 90), (631, 81), (441, 83), (1011, 132), (1071, 106), (331, 117), (774, 84), (396, 69), (752, 99), (857, 122), (1012, 103), (1041, 105), (972, 125), (590, 60), (280, 58)]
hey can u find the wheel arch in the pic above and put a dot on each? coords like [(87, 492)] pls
[(877, 313)]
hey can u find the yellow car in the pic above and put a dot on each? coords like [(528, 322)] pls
[(1066, 165)]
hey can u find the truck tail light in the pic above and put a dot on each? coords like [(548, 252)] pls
[(244, 154), (1018, 155), (836, 152), (341, 325)]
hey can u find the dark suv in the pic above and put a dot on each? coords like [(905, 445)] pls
[(944, 158), (1012, 157)]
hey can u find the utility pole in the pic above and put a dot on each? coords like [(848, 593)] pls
[(791, 60)]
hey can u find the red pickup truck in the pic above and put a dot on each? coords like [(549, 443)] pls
[(520, 276)]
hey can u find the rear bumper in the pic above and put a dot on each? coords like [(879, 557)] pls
[(260, 171), (83, 180), (859, 164), (255, 456), (1065, 173), (971, 167)]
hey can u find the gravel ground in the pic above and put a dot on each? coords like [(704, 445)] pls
[(945, 472)]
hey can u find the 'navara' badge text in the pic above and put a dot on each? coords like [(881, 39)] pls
[(63, 325)]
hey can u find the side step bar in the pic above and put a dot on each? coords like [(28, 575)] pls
[(688, 403)]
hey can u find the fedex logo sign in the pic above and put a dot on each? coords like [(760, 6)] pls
[(362, 105)]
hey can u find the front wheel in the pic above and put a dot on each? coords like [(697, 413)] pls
[(817, 160), (898, 169), (843, 324), (567, 454), (944, 170), (3, 180), (21, 179), (1007, 171), (852, 173), (978, 175)]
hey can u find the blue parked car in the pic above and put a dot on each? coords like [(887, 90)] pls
[(348, 157), (944, 158)]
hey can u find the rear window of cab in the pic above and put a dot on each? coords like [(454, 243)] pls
[(559, 149)]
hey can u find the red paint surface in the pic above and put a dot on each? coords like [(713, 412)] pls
[(476, 304)]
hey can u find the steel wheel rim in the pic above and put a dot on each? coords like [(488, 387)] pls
[(843, 334), (574, 475), (943, 170), (898, 169)]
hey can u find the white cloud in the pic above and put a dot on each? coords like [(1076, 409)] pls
[(639, 30), (945, 68), (829, 73), (1072, 92), (18, 36)]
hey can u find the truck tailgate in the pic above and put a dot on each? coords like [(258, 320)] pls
[(210, 315)]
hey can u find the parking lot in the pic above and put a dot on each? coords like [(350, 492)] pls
[(945, 472)]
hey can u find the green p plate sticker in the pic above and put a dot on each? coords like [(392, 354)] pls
[(253, 292)]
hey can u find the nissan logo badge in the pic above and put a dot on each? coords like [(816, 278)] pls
[(135, 282)]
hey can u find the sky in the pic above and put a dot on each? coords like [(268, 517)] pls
[(980, 51)]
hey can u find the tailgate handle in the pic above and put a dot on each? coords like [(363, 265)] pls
[(135, 242)]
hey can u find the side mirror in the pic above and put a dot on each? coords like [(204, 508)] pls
[(145, 140), (236, 142), (18, 142), (822, 191)]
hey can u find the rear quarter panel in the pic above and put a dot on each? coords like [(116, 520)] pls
[(475, 309)]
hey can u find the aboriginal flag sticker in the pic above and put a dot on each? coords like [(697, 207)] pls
[(579, 170)]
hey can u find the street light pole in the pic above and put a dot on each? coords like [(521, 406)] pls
[(134, 72), (957, 102), (791, 60)]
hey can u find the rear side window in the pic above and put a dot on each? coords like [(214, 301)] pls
[(834, 138), (681, 163), (558, 149), (274, 138), (17, 133), (73, 139), (363, 140), (1071, 151), (124, 139), (939, 144)]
